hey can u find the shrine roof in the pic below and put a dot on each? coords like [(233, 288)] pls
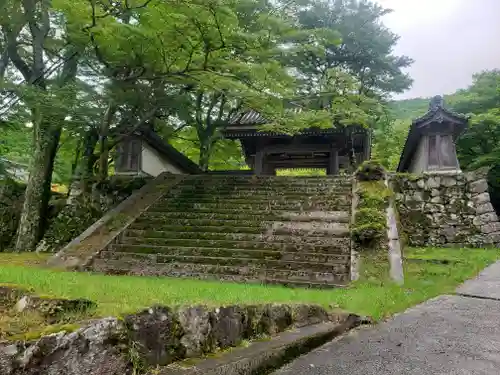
[(437, 114)]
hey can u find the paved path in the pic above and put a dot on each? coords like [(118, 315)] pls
[(446, 335)]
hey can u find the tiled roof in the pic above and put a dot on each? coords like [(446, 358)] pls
[(437, 113)]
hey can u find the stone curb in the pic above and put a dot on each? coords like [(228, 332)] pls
[(266, 356)]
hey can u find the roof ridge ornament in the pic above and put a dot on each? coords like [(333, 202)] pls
[(436, 102)]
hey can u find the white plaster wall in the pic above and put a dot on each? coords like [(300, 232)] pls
[(153, 164), (419, 162)]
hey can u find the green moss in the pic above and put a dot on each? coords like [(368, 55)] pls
[(369, 226), (37, 334), (371, 170)]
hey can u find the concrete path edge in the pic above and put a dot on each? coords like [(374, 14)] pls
[(266, 356)]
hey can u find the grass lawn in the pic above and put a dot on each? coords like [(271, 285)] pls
[(117, 295)]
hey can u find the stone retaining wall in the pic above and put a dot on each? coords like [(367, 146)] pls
[(155, 337), (446, 209)]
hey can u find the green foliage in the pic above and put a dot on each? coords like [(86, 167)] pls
[(369, 226), (480, 145)]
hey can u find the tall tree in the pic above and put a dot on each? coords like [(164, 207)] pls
[(364, 47), (480, 145), (45, 88)]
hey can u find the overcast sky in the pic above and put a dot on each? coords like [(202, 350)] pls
[(448, 39)]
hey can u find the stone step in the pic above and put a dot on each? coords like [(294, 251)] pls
[(256, 197), (292, 228), (159, 259), (327, 216), (158, 220), (239, 240), (137, 267), (247, 205), (265, 191), (266, 179), (301, 199), (294, 256)]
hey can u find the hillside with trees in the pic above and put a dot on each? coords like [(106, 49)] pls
[(479, 146)]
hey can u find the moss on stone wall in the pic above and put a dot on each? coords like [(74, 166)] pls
[(370, 223), (369, 229)]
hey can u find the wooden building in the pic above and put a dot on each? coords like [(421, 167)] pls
[(145, 153), (332, 149), (430, 145)]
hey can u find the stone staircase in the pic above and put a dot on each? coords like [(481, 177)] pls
[(275, 230)]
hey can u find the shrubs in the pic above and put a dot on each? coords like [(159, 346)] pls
[(370, 170)]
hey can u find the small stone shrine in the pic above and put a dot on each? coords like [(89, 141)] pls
[(438, 204)]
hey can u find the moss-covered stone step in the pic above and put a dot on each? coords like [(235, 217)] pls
[(290, 192), (296, 256), (196, 228), (141, 268), (301, 199), (269, 264), (256, 197), (248, 206), (335, 216), (159, 219), (292, 228), (156, 221), (271, 182), (239, 241)]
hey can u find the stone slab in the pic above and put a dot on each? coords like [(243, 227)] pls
[(446, 335), (485, 285)]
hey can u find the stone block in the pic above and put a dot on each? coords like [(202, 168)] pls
[(157, 333), (304, 315), (494, 238), (434, 182), (478, 187), (437, 199), (276, 318), (228, 326), (470, 176), (481, 198), (488, 218), (448, 181), (421, 184), (450, 233), (198, 335), (435, 193), (484, 208), (477, 221), (418, 196), (433, 208), (490, 228)]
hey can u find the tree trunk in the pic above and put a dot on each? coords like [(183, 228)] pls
[(205, 153), (36, 201), (103, 141)]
